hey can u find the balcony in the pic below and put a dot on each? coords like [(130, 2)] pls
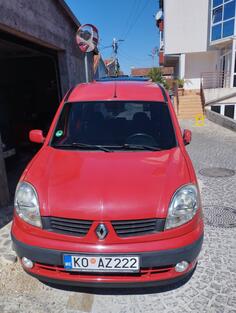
[(212, 80)]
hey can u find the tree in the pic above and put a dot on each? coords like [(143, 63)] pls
[(156, 76)]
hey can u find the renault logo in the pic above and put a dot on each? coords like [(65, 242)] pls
[(101, 231)]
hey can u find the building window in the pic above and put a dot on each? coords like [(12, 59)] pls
[(217, 15), (223, 19), (215, 108), (229, 10), (216, 32), (217, 2), (229, 111), (228, 28)]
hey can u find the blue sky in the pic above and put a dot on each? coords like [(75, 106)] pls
[(132, 20)]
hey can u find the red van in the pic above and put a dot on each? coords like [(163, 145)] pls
[(111, 199)]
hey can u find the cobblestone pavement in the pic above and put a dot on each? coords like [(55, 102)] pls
[(212, 289), (5, 215)]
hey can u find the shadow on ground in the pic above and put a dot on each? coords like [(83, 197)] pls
[(15, 166), (6, 215)]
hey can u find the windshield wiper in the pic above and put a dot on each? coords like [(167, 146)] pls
[(75, 145), (139, 147)]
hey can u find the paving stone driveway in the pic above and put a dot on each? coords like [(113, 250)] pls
[(212, 288)]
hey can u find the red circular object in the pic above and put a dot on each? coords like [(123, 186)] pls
[(87, 37)]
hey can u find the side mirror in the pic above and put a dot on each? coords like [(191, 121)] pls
[(36, 135), (187, 136)]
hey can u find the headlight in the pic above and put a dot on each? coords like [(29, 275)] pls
[(183, 206), (27, 205)]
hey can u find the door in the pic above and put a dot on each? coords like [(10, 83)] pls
[(225, 67)]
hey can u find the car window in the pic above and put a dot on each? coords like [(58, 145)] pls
[(115, 123)]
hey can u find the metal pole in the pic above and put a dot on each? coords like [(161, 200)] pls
[(86, 67)]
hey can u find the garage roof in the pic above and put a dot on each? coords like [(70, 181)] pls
[(69, 12)]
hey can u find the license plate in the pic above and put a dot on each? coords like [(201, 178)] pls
[(88, 263)]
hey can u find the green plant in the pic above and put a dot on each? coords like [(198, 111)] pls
[(156, 76), (181, 81)]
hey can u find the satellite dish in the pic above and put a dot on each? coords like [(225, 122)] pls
[(159, 15), (87, 37)]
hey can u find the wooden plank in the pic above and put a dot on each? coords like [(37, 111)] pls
[(4, 191)]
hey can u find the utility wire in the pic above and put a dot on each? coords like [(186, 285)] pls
[(124, 53), (105, 47), (131, 17), (147, 2)]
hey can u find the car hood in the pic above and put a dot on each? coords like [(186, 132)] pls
[(96, 185)]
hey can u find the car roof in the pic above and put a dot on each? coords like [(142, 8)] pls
[(117, 90), (122, 78)]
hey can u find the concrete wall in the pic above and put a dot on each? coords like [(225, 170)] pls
[(186, 26), (217, 95), (198, 63), (221, 119), (46, 22)]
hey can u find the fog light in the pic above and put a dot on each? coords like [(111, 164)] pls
[(181, 266), (27, 262)]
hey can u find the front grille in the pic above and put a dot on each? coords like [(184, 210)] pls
[(67, 226), (138, 227), (143, 271), (80, 228)]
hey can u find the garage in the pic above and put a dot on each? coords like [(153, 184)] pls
[(29, 95), (39, 62)]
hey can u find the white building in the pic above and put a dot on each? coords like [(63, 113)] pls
[(198, 39)]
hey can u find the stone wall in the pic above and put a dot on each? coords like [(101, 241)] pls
[(46, 22), (221, 119)]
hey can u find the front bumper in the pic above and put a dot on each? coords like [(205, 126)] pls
[(157, 268)]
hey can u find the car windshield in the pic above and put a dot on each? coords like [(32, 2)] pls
[(114, 124)]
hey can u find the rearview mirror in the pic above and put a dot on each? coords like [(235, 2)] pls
[(187, 136), (36, 135)]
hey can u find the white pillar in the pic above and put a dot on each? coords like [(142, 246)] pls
[(232, 63), (182, 66)]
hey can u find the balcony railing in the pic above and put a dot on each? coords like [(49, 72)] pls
[(211, 80)]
